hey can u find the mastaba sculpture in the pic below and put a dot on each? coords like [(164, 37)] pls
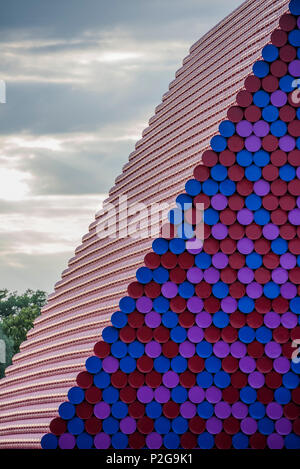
[(98, 274), (202, 352)]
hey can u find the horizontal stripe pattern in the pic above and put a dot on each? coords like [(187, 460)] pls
[(98, 274)]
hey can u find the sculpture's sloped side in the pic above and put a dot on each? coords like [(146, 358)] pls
[(203, 351), (98, 274)]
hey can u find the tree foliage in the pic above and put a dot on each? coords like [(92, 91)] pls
[(17, 314), (12, 303)]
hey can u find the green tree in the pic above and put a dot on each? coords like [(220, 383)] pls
[(6, 352), (12, 303), (17, 325)]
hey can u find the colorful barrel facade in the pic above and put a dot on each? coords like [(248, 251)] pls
[(203, 352), (97, 276)]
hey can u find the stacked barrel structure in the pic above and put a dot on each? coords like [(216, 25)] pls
[(202, 352), (97, 276)]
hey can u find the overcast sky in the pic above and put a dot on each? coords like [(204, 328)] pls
[(83, 78)]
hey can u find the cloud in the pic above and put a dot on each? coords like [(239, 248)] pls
[(34, 229), (80, 62), (72, 163), (20, 271), (46, 224), (80, 89), (13, 184)]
